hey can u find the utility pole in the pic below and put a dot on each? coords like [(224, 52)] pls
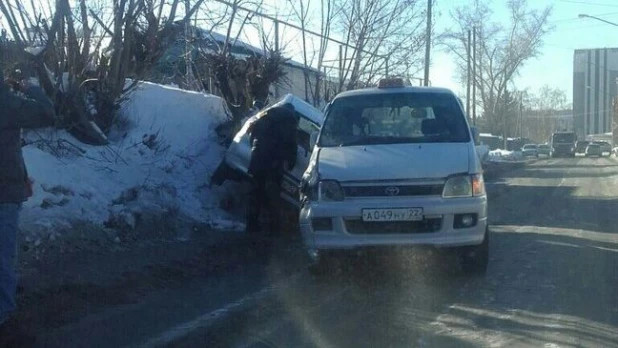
[(474, 76), (340, 68), (504, 112), (386, 62), (188, 49), (468, 76), (277, 91), (428, 43), (521, 115)]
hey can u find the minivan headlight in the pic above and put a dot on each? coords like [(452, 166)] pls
[(330, 190), (464, 186)]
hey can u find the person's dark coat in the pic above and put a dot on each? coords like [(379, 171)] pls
[(32, 111), (273, 139)]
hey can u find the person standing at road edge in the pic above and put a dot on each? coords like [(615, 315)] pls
[(273, 148), (33, 110)]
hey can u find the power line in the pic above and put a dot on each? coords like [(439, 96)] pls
[(581, 27), (588, 3)]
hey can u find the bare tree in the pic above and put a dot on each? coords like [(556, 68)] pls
[(329, 9), (241, 80), (381, 35), (302, 12), (502, 49), (327, 14), (545, 108), (549, 98), (89, 78)]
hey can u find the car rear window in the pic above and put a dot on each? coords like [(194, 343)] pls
[(394, 118)]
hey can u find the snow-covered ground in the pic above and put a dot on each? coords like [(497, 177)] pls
[(504, 155), (159, 160)]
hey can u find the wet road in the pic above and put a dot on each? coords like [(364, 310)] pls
[(552, 280)]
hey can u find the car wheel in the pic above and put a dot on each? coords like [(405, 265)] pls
[(474, 259), (322, 267)]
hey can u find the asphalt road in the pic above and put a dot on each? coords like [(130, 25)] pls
[(552, 282)]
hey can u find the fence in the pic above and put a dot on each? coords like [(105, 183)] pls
[(332, 75)]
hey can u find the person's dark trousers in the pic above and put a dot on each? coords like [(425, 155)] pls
[(264, 199), (9, 221)]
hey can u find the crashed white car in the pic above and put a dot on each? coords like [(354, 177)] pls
[(236, 162)]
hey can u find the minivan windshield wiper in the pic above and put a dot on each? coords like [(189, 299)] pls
[(384, 140), (364, 140)]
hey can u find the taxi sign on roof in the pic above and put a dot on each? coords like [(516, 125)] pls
[(393, 82)]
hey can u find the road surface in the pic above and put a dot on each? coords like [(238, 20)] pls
[(552, 282)]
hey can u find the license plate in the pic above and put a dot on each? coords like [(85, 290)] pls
[(394, 214)]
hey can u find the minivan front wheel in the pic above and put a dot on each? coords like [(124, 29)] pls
[(474, 259), (321, 264)]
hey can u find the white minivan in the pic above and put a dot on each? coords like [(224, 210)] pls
[(394, 166)]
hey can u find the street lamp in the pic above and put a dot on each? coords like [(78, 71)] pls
[(582, 15)]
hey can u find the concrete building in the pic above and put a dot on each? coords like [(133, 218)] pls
[(595, 73)]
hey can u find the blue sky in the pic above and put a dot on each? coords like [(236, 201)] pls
[(554, 66)]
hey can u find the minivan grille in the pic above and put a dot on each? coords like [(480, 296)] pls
[(393, 190), (423, 226)]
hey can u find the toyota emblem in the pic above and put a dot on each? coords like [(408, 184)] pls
[(392, 191)]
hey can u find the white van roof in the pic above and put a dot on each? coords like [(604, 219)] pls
[(302, 107)]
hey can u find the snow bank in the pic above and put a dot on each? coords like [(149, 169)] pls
[(504, 155), (159, 160)]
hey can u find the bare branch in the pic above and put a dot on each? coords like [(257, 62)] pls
[(502, 50)]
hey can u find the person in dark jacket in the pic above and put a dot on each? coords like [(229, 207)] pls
[(273, 140), (33, 110)]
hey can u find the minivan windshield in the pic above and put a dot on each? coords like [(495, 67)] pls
[(394, 119)]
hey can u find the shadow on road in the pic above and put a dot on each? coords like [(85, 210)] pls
[(533, 172), (541, 165), (544, 288), (551, 206), (541, 288)]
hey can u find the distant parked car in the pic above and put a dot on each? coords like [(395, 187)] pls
[(605, 147), (530, 150), (593, 149), (544, 149), (580, 146)]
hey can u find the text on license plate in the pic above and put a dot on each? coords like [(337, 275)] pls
[(394, 214)]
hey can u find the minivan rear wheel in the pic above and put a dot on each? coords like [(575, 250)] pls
[(475, 259)]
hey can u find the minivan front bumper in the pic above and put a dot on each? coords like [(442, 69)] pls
[(339, 225)]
